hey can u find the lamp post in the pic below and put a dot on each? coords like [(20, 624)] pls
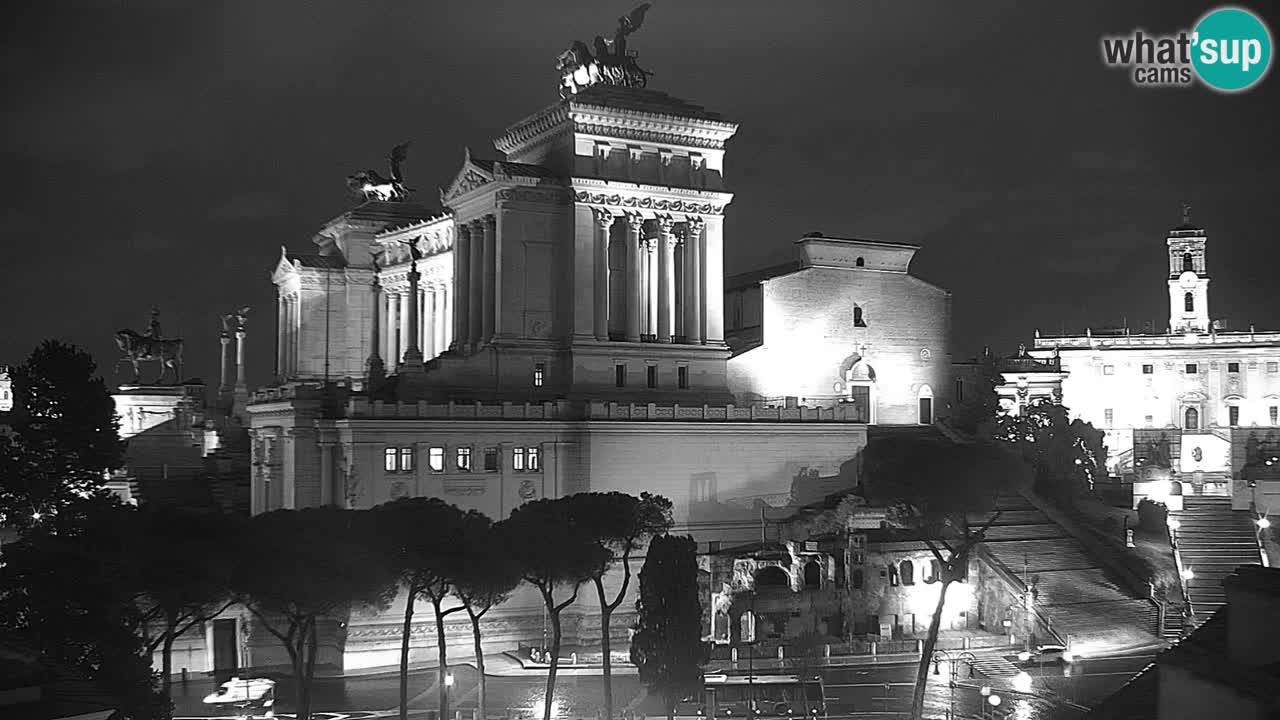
[(448, 685)]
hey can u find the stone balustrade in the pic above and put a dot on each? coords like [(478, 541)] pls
[(1045, 342), (594, 410)]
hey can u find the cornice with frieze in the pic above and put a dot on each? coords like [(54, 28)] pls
[(544, 195), (624, 200), (648, 135), (523, 133)]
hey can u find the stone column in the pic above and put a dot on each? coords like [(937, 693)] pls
[(713, 279), (489, 263), (651, 286), (448, 300), (393, 328), (604, 221), (475, 284), (291, 344), (427, 331), (461, 278), (634, 296), (440, 312), (412, 351), (693, 281), (402, 324), (240, 336), (666, 279), (281, 326), (375, 367), (225, 382)]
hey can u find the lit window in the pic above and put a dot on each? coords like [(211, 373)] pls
[(517, 459), (893, 576), (539, 371), (1273, 367), (1233, 415), (533, 459), (620, 375), (1108, 416), (1192, 368), (1273, 412), (1148, 369), (463, 459), (1233, 367), (435, 459), (682, 377), (1108, 369), (406, 459), (491, 459), (651, 375), (389, 459), (1189, 302)]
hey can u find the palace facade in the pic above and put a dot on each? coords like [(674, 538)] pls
[(558, 325), (1195, 409)]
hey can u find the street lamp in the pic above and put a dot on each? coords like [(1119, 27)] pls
[(1188, 574), (1022, 682), (448, 684)]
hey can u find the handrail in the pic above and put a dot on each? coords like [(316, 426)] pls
[(1046, 620)]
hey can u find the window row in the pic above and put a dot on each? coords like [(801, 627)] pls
[(1191, 417), (523, 459), (1192, 368), (650, 375)]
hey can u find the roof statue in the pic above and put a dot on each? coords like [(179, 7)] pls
[(235, 322), (136, 348), (1186, 213), (369, 185), (607, 62)]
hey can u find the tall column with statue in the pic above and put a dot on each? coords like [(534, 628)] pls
[(376, 372)]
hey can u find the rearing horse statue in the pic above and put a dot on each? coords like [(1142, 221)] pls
[(137, 348)]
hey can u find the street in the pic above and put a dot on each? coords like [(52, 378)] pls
[(861, 691)]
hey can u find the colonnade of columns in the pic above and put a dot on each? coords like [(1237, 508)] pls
[(289, 322), (665, 279), (474, 278), (434, 328)]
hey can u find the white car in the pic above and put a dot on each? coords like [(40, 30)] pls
[(1053, 654)]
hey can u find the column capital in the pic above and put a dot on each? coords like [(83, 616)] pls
[(635, 221), (694, 224), (604, 218), (665, 224), (488, 222)]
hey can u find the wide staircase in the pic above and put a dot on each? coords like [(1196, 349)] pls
[(1212, 541), (1073, 592)]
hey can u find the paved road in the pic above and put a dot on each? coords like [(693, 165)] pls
[(856, 691)]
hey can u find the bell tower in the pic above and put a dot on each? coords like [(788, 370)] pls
[(1188, 277)]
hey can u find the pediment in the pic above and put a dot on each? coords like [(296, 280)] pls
[(284, 267), (470, 176)]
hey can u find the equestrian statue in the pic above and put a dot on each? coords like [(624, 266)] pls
[(370, 185), (136, 348)]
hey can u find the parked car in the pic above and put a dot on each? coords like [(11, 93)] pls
[(1052, 654)]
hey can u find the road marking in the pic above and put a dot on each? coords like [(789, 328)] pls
[(875, 685)]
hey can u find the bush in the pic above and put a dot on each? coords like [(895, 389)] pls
[(1152, 516)]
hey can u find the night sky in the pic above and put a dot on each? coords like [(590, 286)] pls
[(161, 153)]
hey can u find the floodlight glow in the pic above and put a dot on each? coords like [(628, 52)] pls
[(1187, 574), (1174, 524), (994, 700), (448, 680), (1263, 523), (1024, 656), (1022, 682), (985, 691)]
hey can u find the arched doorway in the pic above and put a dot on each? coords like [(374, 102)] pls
[(771, 577), (812, 575), (1191, 419)]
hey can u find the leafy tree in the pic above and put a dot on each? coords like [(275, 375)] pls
[(488, 576), (68, 589), (424, 540), (1067, 455), (620, 523), (65, 436), (667, 646), (552, 551), (299, 567), (934, 487), (184, 563)]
